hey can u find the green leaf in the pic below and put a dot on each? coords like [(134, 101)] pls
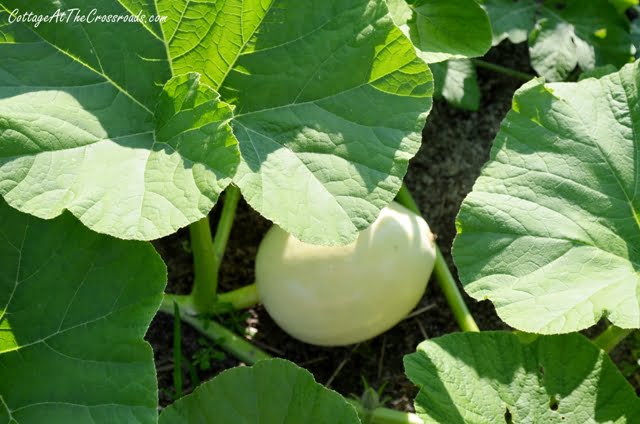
[(563, 34), (273, 391), (554, 49), (498, 377), (456, 81), (550, 231), (635, 34), (326, 133), (74, 307), (330, 100), (577, 33), (78, 130), (190, 119), (512, 20), (598, 72), (443, 30), (622, 5)]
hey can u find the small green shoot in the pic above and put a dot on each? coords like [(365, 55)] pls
[(370, 399), (177, 352), (205, 354)]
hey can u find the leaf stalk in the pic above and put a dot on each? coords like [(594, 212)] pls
[(503, 70), (177, 351), (384, 415), (208, 252), (241, 298), (611, 337), (229, 341)]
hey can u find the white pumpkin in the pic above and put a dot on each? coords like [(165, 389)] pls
[(340, 295)]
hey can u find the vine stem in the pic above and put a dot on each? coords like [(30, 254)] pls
[(443, 273), (208, 253), (452, 294), (246, 352), (229, 341), (177, 351), (609, 338), (502, 70), (242, 298), (384, 415)]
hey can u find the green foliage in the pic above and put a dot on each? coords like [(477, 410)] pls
[(370, 400), (74, 306), (314, 111), (445, 34), (206, 354), (443, 30), (563, 37), (630, 366), (456, 82), (271, 392), (563, 34), (498, 377), (549, 232), (79, 132), (622, 5), (635, 33), (598, 72), (512, 20), (327, 103)]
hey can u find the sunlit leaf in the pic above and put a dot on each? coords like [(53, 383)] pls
[(499, 377), (551, 231)]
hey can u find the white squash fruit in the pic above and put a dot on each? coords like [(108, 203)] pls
[(340, 295)]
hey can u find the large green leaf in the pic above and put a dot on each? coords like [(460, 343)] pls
[(326, 133), (499, 377), (78, 131), (551, 231), (443, 30), (274, 391), (456, 81), (330, 100), (74, 306)]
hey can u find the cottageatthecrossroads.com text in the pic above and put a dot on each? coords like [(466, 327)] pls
[(77, 15)]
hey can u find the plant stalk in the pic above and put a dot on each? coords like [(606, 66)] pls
[(502, 70), (443, 274), (205, 280), (177, 351), (232, 197), (232, 343), (208, 252), (384, 415), (242, 298), (609, 338), (452, 294)]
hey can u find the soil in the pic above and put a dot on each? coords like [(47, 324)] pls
[(456, 144)]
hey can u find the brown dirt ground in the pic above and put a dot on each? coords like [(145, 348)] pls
[(455, 146)]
